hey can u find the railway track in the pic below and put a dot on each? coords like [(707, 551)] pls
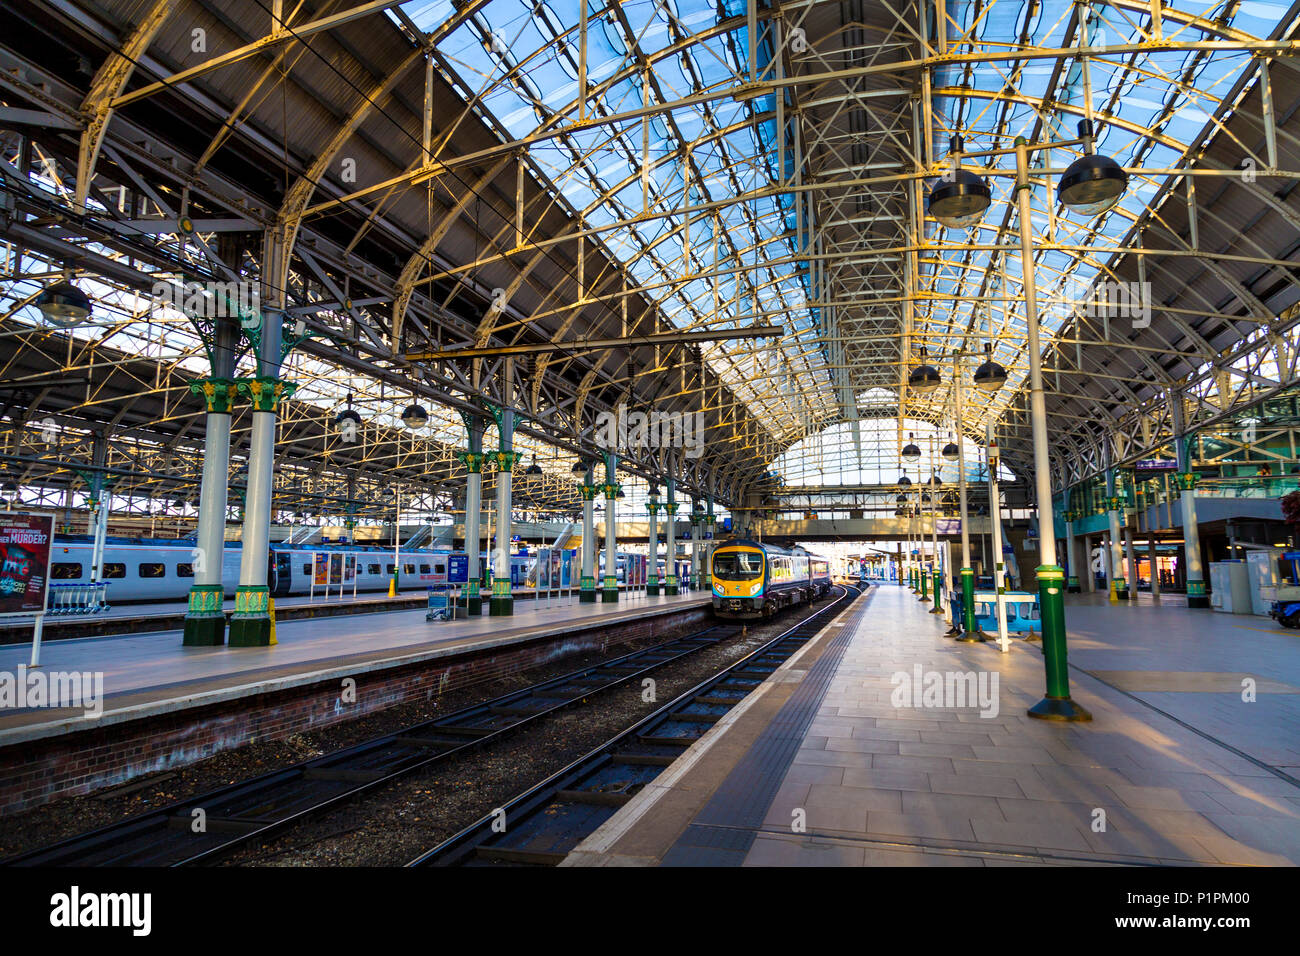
[(543, 824), (205, 828)]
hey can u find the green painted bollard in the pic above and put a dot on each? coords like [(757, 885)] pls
[(938, 590), (970, 634), (1057, 705), (925, 586)]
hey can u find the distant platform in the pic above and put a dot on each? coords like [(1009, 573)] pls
[(164, 705), (149, 673), (820, 767)]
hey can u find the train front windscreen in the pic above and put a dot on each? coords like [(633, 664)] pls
[(737, 565)]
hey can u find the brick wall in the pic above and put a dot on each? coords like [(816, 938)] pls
[(37, 771)]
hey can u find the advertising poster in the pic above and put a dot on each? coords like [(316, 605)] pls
[(24, 562), (320, 568)]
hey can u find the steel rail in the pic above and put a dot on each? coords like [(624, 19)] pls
[(251, 805), (474, 842)]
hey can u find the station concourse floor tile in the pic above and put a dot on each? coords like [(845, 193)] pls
[(1176, 768), (146, 669)]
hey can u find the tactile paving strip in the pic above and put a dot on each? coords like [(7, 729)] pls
[(724, 830)]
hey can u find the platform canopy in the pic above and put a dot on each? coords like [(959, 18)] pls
[(696, 209)]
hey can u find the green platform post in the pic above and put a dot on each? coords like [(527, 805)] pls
[(652, 570), (938, 590), (205, 618), (609, 583), (970, 634), (251, 625), (1196, 596), (473, 459), (587, 581), (1057, 705), (925, 586), (502, 602)]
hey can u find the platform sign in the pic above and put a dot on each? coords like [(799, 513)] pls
[(320, 568), (544, 569), (25, 541), (458, 569)]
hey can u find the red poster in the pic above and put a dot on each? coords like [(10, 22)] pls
[(24, 561)]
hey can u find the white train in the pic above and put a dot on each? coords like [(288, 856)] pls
[(152, 569)]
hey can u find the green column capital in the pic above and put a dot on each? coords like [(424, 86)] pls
[(218, 393), (1186, 480), (652, 508), (670, 508), (265, 392), (472, 460), (611, 490), (506, 460), (589, 492)]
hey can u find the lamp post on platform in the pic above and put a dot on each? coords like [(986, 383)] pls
[(1090, 186)]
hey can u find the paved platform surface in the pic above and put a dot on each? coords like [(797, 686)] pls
[(820, 767), (154, 671)]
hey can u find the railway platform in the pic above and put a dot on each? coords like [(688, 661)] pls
[(842, 758), (162, 704)]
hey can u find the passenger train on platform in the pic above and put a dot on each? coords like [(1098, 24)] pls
[(755, 580), (162, 569)]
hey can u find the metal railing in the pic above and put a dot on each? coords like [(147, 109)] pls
[(77, 598)]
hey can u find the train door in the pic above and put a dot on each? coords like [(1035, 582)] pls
[(280, 573)]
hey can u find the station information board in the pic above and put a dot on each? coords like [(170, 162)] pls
[(25, 545)]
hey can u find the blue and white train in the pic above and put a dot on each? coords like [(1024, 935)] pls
[(162, 569)]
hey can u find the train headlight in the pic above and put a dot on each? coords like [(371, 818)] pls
[(755, 588)]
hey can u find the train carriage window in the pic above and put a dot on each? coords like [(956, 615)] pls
[(65, 571), (114, 570), (185, 570), (306, 569), (439, 568), (372, 569), (390, 569), (408, 568), (425, 569), (153, 569)]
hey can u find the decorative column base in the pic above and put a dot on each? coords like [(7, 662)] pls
[(970, 633), (938, 589), (250, 625), (503, 601), (609, 593), (1196, 596), (473, 600), (652, 586), (587, 591), (205, 622), (671, 587), (1057, 704), (925, 588)]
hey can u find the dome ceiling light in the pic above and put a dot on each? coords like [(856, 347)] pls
[(960, 198), (990, 376), (924, 377), (415, 417), (63, 304), (1092, 184)]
